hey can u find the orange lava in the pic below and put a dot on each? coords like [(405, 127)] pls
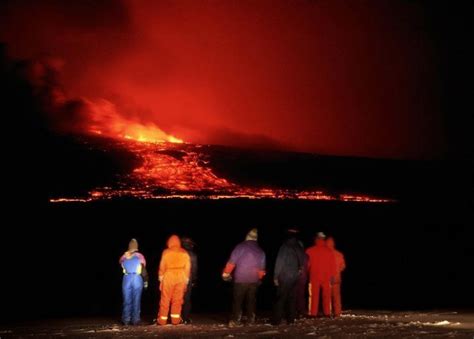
[(180, 171)]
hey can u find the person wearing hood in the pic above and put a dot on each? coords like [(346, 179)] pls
[(188, 245), (173, 274), (135, 278), (289, 265), (336, 285), (247, 264), (322, 273)]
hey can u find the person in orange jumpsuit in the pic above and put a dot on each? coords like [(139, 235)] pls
[(336, 286), (322, 272), (174, 273)]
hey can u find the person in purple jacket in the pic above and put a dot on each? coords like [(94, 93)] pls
[(247, 263)]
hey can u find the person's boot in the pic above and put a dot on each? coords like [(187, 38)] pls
[(235, 323), (276, 322), (251, 320), (162, 320), (177, 321)]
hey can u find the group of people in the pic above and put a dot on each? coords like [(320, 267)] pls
[(177, 274), (316, 270), (319, 268)]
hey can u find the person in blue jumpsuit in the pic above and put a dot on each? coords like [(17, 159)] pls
[(135, 278)]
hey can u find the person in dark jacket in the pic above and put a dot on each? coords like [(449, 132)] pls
[(289, 266), (247, 263), (188, 244)]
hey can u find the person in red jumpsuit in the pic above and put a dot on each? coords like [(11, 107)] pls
[(336, 286), (322, 272)]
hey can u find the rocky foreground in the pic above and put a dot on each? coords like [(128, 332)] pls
[(351, 324)]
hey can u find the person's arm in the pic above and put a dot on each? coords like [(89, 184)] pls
[(141, 257), (145, 276), (332, 267), (279, 263), (194, 267), (187, 266), (308, 262), (301, 257), (143, 271), (343, 263), (261, 271), (230, 265), (123, 257), (162, 269)]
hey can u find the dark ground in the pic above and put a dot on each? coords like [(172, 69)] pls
[(352, 324)]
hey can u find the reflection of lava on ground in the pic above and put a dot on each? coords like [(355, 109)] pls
[(177, 170)]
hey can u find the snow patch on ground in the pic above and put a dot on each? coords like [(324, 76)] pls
[(364, 316), (438, 323), (269, 332)]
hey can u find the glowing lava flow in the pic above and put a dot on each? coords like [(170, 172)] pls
[(179, 170), (171, 168)]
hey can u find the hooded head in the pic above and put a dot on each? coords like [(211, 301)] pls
[(188, 243), (330, 243), (174, 242), (133, 245), (320, 242), (252, 235)]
